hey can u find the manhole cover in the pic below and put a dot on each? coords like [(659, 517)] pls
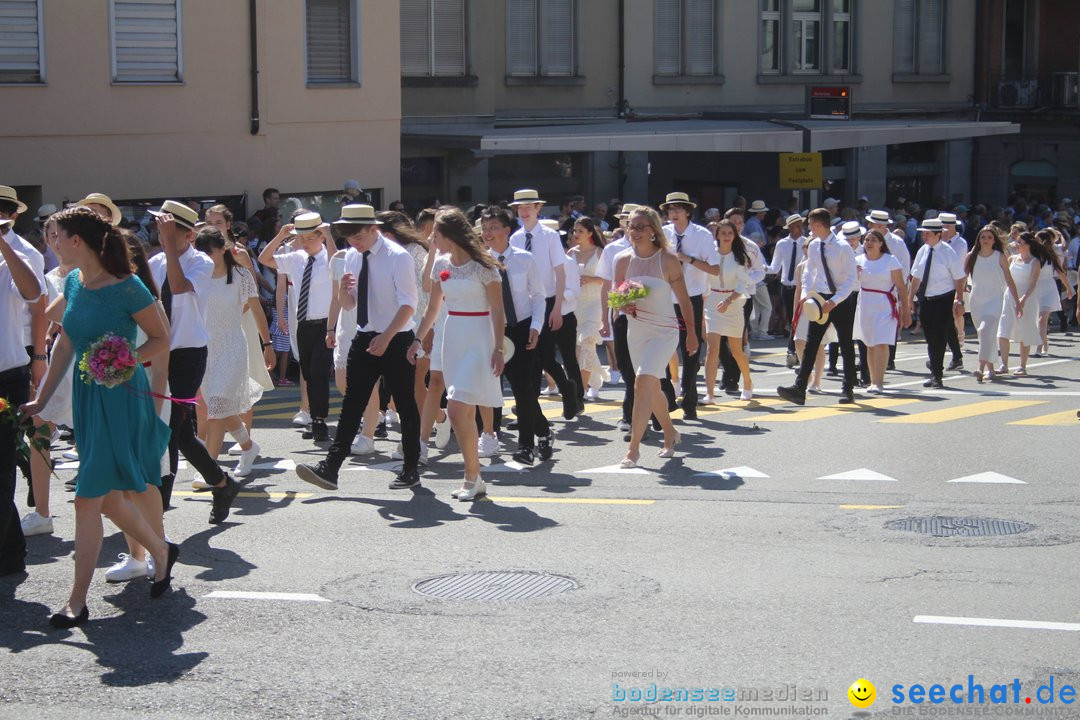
[(493, 585), (946, 526)]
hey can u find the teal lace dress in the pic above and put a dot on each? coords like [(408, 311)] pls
[(119, 437)]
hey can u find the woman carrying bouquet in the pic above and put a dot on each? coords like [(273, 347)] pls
[(652, 331), (120, 439)]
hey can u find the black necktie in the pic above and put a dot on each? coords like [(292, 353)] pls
[(508, 297), (791, 264), (678, 242), (921, 294), (362, 293), (305, 289), (166, 297), (528, 241), (824, 264)]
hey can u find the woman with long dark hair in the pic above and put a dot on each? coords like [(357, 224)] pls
[(987, 265), (120, 439), (588, 244), (1020, 317), (882, 305), (1051, 274), (472, 350), (728, 292)]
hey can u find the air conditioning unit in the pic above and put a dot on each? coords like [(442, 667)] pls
[(1065, 91), (1018, 93)]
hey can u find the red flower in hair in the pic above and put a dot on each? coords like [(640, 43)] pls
[(444, 275)]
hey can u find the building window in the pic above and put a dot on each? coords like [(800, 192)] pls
[(433, 38), (807, 37), (919, 38), (22, 42), (542, 38), (684, 37), (146, 41), (333, 42)]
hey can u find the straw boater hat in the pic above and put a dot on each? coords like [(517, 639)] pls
[(677, 198), (104, 201), (306, 223), (879, 216), (932, 225), (947, 218), (758, 206), (5, 224), (526, 197), (852, 229), (792, 219), (552, 225), (358, 214), (814, 308), (628, 209), (182, 214), (8, 193)]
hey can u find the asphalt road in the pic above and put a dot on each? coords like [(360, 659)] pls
[(758, 559)]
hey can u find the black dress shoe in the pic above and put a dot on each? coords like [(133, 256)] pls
[(545, 446), (929, 382), (847, 397), (320, 433), (158, 587), (937, 384), (792, 393), (512, 425), (891, 366), (524, 456), (689, 413), (832, 372), (13, 569), (407, 478), (956, 364), (380, 430), (60, 621), (320, 475), (223, 500)]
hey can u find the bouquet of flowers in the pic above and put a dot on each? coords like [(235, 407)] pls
[(26, 435), (110, 361), (627, 293)]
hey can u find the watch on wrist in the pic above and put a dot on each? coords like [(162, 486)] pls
[(41, 357)]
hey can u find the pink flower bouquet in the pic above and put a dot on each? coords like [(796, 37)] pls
[(110, 361), (627, 293)]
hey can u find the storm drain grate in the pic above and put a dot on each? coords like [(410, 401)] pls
[(947, 526), (494, 585)]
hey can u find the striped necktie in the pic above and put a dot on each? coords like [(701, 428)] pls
[(528, 241), (305, 289)]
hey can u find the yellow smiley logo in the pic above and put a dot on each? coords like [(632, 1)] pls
[(862, 693)]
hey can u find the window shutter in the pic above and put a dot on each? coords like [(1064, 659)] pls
[(931, 37), (146, 41), (20, 42), (522, 37), (667, 37), (449, 34), (700, 34), (904, 36), (557, 51), (415, 37), (329, 41)]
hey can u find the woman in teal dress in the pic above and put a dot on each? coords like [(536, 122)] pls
[(119, 437)]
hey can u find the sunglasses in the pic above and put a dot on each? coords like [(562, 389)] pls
[(638, 227)]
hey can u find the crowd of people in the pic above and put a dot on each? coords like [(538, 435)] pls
[(419, 320)]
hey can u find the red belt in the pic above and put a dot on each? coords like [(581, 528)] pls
[(468, 314), (892, 300), (721, 292)]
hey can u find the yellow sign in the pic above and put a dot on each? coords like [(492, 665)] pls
[(800, 171)]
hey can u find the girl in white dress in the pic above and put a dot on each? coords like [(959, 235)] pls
[(227, 387), (472, 344), (588, 244), (652, 330), (882, 304), (1049, 295), (987, 265), (728, 293), (1020, 318)]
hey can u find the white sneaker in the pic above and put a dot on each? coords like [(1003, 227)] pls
[(616, 377), (197, 483), (399, 453), (622, 426), (301, 419), (71, 454), (34, 524), (488, 445), (129, 568), (747, 395), (591, 395), (875, 390), (363, 445), (442, 433), (247, 460), (236, 450), (392, 417), (549, 390)]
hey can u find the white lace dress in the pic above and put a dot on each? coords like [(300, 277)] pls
[(227, 386), (590, 315), (419, 256), (467, 338)]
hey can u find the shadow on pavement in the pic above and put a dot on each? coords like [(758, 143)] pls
[(220, 564)]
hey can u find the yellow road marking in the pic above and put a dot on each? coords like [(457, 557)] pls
[(870, 507), (1067, 417), (570, 501), (264, 494), (963, 411), (817, 413)]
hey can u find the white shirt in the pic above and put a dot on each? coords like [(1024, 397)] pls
[(782, 260), (526, 289), (293, 264), (899, 250), (547, 252), (12, 308), (37, 264), (841, 259), (573, 285), (945, 269), (757, 262), (699, 244), (959, 245), (605, 268), (1074, 246), (391, 283), (188, 316)]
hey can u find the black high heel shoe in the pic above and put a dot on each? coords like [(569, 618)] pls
[(158, 587), (60, 621)]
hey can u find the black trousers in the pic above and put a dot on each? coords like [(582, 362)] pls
[(316, 365), (566, 341), (953, 339), (787, 298), (842, 318), (691, 363), (186, 369), (864, 364), (361, 374), (548, 363), (15, 388), (626, 365), (935, 314), (520, 372)]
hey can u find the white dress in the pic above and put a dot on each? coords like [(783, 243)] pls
[(653, 335), (467, 339), (876, 313), (1024, 330), (58, 409), (988, 291), (419, 256), (589, 314), (1049, 297), (345, 330), (227, 386), (734, 278)]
